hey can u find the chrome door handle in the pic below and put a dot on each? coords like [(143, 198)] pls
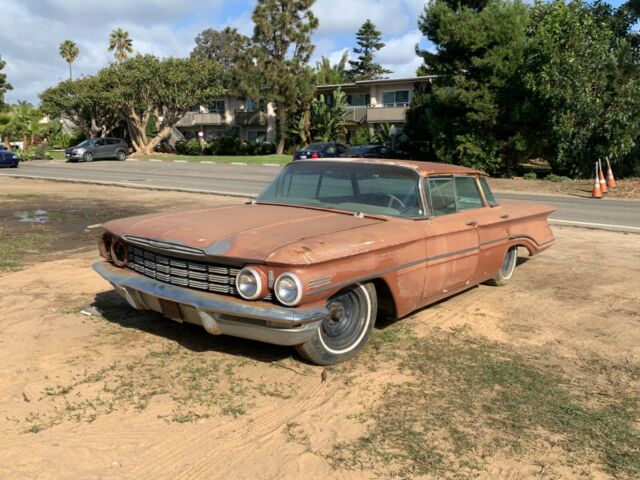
[(504, 216), (472, 224)]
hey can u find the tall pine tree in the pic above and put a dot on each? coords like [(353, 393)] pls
[(275, 66), (369, 42)]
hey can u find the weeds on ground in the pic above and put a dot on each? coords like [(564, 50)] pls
[(470, 398), (15, 248)]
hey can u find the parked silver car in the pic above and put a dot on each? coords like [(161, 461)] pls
[(97, 148)]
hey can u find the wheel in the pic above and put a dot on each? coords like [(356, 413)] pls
[(87, 157), (14, 166), (120, 156), (352, 313), (507, 268)]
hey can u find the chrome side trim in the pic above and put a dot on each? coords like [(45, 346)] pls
[(170, 247), (319, 282)]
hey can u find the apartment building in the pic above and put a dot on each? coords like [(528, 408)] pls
[(251, 121), (370, 103), (374, 102)]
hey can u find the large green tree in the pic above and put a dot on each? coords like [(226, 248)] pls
[(222, 46), (87, 102), (369, 41), (275, 66), (120, 44), (144, 86), (474, 111), (327, 122), (583, 74), (69, 51), (4, 85)]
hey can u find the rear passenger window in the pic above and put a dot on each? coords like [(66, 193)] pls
[(467, 193), (442, 200)]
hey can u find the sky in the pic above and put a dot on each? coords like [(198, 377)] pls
[(33, 29)]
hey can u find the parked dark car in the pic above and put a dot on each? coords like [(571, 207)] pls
[(94, 148), (8, 158), (320, 150), (372, 151)]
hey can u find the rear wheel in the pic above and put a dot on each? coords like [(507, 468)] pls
[(507, 268), (120, 156), (352, 313), (87, 157)]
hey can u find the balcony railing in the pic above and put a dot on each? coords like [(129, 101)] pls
[(194, 118), (386, 114), (356, 114), (244, 118)]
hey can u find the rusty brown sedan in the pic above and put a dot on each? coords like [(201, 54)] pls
[(327, 248)]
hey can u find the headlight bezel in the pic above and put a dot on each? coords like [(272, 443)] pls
[(298, 284), (259, 283)]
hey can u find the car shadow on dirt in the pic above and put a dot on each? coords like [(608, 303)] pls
[(194, 338)]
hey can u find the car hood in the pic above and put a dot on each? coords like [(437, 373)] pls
[(251, 232)]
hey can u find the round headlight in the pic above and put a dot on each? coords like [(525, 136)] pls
[(249, 283), (288, 289)]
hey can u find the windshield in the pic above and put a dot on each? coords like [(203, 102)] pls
[(355, 187), (86, 143), (314, 147)]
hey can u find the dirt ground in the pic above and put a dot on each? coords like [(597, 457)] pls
[(537, 379)]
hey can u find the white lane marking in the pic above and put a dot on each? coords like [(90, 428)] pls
[(595, 225), (238, 163), (271, 165), (208, 162), (154, 160), (132, 185), (133, 160), (180, 161)]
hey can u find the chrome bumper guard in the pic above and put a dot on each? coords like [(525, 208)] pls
[(218, 314)]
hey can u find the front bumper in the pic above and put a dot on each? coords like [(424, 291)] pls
[(218, 314)]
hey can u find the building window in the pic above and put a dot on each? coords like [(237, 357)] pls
[(256, 106), (358, 99), (256, 136), (396, 98), (217, 106), (195, 108)]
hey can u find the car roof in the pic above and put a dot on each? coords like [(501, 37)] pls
[(423, 168)]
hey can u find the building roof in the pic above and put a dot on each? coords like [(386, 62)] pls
[(424, 168), (381, 81)]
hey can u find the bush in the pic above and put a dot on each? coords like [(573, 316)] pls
[(190, 147), (556, 178), (267, 149), (530, 176), (230, 146)]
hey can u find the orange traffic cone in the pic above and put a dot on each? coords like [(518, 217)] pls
[(597, 192), (611, 182), (603, 182)]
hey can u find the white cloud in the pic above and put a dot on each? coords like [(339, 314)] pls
[(345, 17), (400, 50)]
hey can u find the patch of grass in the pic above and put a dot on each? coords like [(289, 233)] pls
[(20, 196), (255, 159), (470, 398), (15, 248)]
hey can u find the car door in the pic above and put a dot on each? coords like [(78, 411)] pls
[(494, 233), (111, 147), (100, 148), (451, 240)]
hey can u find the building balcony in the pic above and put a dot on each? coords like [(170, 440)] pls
[(386, 114), (192, 119), (246, 119), (356, 114)]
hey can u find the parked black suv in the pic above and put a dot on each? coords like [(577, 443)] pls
[(94, 148)]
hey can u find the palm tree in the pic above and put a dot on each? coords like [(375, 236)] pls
[(120, 42), (69, 51)]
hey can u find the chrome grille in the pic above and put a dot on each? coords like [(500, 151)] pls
[(185, 273)]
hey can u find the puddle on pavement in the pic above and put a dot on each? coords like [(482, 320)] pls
[(51, 215)]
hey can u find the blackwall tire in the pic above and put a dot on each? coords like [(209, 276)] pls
[(87, 157), (343, 334)]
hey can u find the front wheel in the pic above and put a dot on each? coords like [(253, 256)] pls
[(352, 313), (507, 268), (87, 157)]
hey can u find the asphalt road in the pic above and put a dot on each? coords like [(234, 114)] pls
[(249, 180)]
